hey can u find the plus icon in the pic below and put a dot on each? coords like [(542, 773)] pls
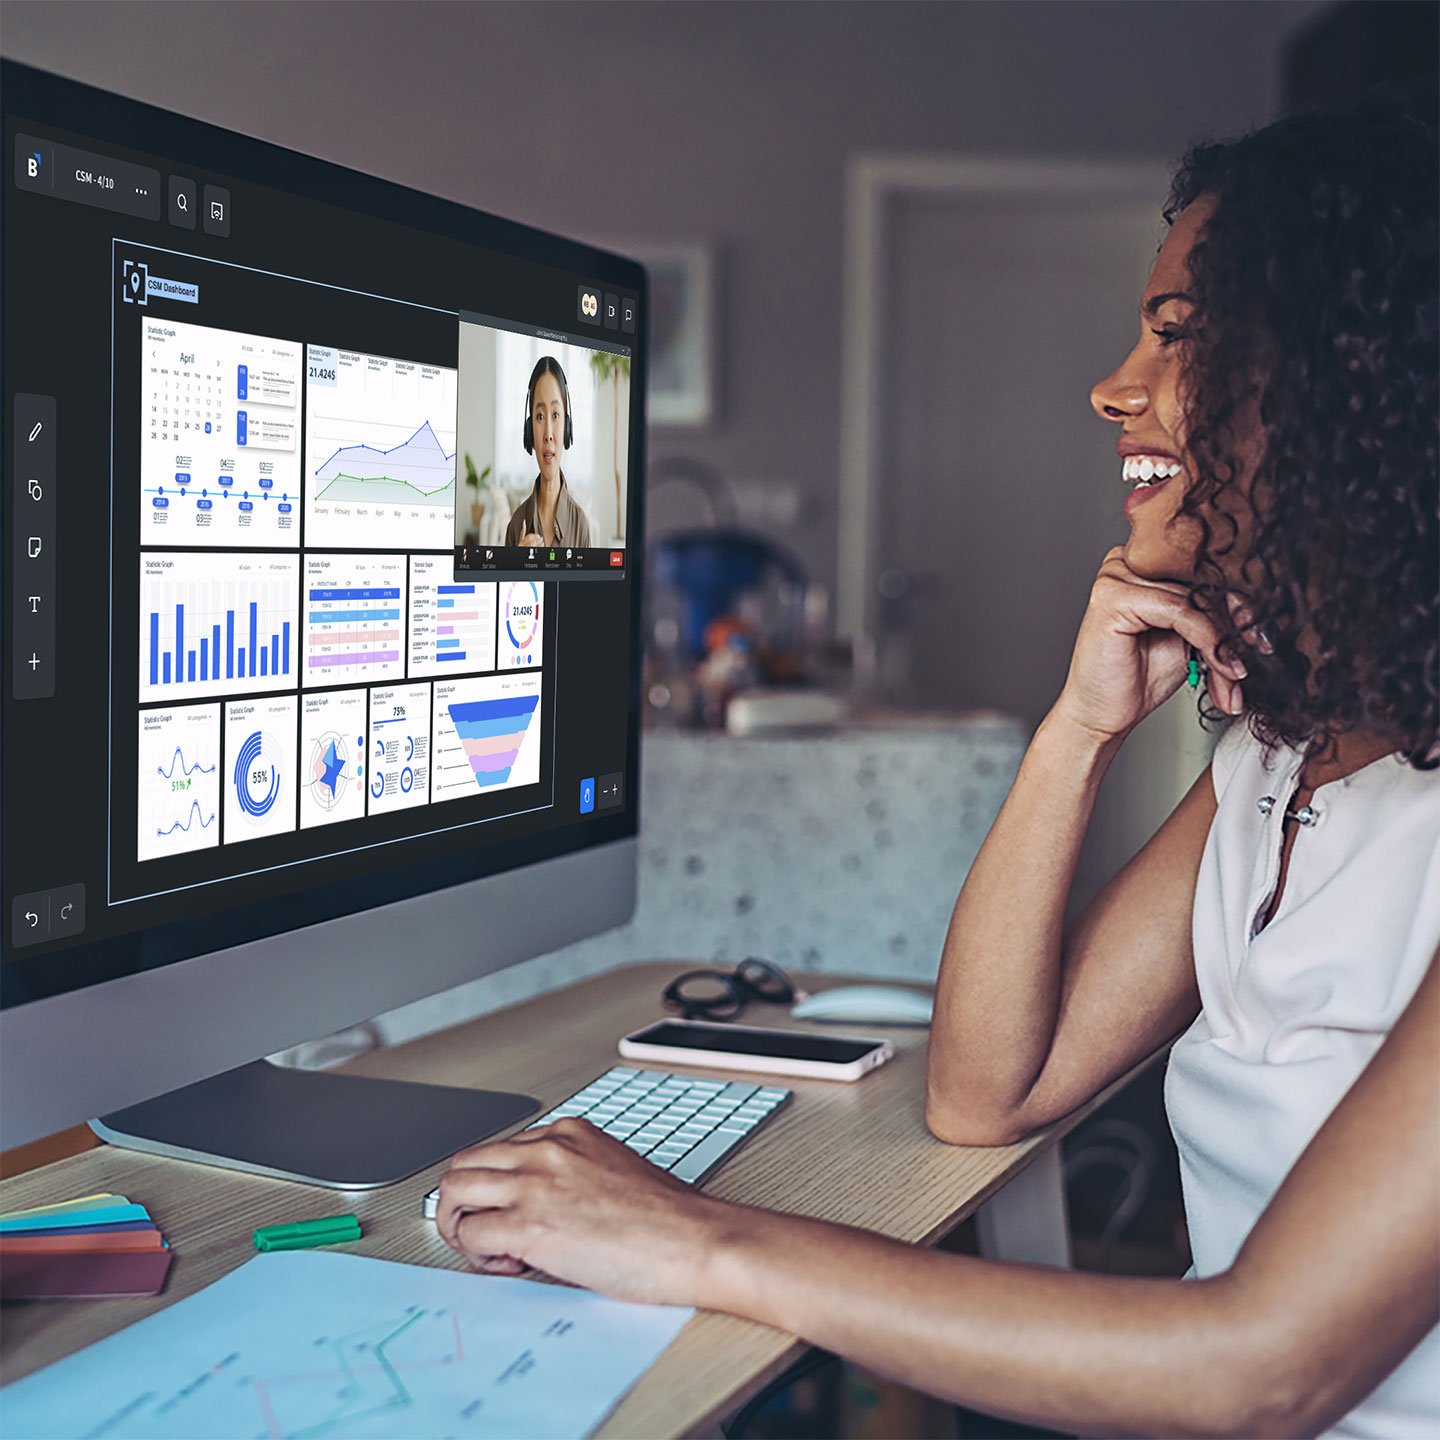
[(34, 661)]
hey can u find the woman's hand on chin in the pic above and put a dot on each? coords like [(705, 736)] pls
[(569, 1200), (1130, 655), (531, 539)]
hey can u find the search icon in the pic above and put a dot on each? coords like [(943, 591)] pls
[(182, 202)]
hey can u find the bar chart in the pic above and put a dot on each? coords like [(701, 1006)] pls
[(217, 624), (354, 619), (452, 626)]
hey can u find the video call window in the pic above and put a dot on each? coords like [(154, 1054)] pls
[(542, 451)]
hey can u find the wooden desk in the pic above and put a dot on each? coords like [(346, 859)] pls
[(858, 1154)]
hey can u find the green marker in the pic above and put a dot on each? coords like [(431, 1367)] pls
[(330, 1230)]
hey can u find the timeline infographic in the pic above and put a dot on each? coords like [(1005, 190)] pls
[(379, 452), (219, 437)]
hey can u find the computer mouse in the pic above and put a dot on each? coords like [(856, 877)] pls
[(866, 1004)]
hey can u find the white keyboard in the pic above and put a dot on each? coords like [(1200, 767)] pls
[(682, 1123)]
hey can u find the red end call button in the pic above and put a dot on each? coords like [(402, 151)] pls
[(617, 558)]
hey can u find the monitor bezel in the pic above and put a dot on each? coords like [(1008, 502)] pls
[(35, 97)]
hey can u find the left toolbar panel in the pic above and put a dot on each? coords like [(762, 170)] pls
[(32, 600)]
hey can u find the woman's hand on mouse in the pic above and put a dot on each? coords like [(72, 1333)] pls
[(571, 1201), (1131, 655)]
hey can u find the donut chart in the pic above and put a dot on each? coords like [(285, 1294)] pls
[(257, 775)]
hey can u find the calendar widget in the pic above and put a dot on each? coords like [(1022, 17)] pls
[(220, 433)]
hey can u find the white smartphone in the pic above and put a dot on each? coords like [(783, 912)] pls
[(749, 1047)]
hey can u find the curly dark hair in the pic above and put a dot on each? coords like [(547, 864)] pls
[(1314, 280)]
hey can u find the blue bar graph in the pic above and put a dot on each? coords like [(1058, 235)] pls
[(267, 656)]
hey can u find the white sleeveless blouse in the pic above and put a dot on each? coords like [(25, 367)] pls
[(1292, 1014)]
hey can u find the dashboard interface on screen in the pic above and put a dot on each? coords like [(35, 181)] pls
[(300, 492)]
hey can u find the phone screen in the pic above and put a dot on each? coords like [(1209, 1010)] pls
[(777, 1044)]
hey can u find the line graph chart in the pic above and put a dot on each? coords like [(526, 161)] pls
[(310, 1346), (179, 780), (379, 451)]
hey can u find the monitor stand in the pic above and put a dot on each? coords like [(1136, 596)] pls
[(346, 1132)]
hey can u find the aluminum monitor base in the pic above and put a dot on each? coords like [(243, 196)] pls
[(346, 1132)]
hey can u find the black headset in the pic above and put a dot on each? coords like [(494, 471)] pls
[(547, 364)]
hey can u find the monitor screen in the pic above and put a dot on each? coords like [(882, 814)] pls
[(321, 501)]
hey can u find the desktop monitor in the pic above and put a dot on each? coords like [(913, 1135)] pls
[(299, 722)]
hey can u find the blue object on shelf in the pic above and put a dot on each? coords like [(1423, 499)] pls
[(710, 568)]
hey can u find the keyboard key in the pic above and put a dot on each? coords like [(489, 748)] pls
[(692, 1166)]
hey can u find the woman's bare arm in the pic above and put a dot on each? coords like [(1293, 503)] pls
[(1029, 1023)]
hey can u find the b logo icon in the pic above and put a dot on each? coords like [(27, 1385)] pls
[(32, 164), (589, 304)]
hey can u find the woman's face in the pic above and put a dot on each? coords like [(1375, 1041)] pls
[(547, 420), (1145, 399)]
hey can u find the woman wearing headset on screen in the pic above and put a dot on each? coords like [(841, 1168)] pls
[(1278, 421), (548, 515)]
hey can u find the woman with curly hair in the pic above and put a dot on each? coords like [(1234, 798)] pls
[(1278, 423)]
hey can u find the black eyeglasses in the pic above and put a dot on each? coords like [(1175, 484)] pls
[(723, 994)]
